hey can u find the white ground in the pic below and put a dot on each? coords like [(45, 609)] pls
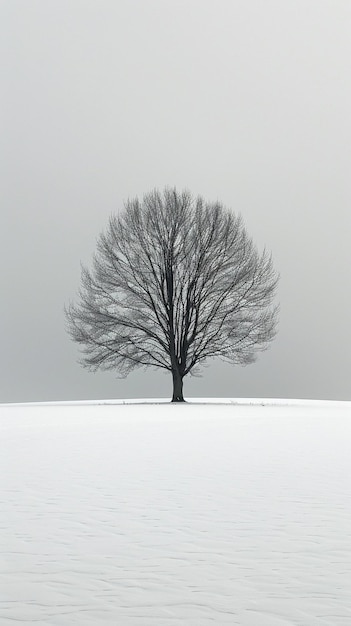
[(168, 515)]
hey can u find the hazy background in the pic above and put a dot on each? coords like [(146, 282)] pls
[(244, 101)]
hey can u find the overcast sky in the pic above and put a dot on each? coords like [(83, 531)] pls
[(243, 101)]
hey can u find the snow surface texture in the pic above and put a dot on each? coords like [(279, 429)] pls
[(167, 514)]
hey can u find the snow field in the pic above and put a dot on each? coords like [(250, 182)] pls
[(141, 515)]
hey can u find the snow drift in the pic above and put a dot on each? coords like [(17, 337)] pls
[(164, 514)]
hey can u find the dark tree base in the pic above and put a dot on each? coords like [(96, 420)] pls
[(177, 395)]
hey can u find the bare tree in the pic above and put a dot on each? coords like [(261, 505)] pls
[(175, 281)]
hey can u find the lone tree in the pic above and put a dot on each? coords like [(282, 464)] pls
[(175, 281)]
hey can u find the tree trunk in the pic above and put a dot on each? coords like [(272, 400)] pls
[(177, 387)]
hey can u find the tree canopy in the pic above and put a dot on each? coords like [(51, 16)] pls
[(175, 281)]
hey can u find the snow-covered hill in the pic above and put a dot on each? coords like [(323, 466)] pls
[(145, 514)]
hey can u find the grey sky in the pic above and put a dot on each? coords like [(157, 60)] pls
[(247, 102)]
